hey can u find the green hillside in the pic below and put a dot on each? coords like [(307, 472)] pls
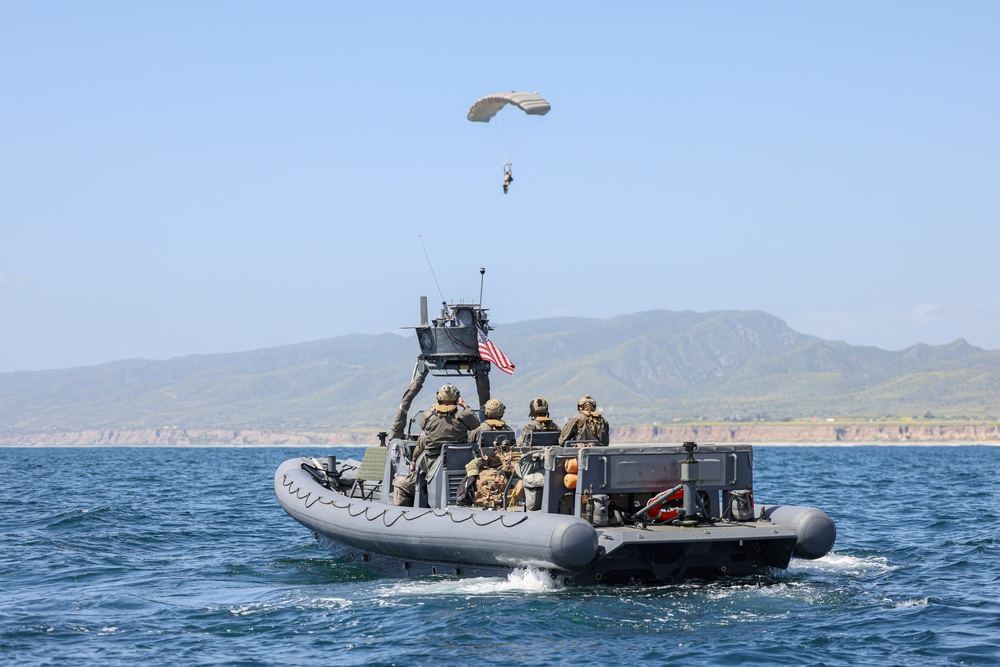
[(646, 368)]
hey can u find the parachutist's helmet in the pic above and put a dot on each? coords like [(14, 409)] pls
[(448, 393), (586, 403), (494, 409), (538, 407)]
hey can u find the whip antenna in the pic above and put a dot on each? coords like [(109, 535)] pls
[(432, 268), (482, 274)]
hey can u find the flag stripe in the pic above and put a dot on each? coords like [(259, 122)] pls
[(490, 352)]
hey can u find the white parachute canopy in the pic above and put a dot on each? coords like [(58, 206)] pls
[(483, 109), (514, 116)]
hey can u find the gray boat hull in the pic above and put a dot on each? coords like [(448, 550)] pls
[(452, 535), (408, 541)]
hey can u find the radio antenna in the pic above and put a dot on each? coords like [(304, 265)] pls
[(482, 274), (443, 303)]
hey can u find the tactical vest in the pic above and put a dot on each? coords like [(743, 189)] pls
[(594, 427), (545, 424)]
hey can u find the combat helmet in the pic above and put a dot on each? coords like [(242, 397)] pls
[(494, 409), (538, 406), (586, 403), (448, 393)]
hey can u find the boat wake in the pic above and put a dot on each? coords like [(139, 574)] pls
[(834, 563), (520, 581)]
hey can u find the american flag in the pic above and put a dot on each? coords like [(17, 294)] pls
[(490, 352)]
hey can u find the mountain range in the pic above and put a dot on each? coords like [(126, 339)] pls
[(654, 367)]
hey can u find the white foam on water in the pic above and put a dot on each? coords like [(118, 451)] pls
[(521, 580), (921, 602), (842, 564), (299, 602)]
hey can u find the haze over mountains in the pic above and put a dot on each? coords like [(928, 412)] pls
[(646, 368)]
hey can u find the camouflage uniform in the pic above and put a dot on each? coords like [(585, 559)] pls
[(538, 410), (488, 425), (493, 411), (587, 424), (539, 423), (441, 423)]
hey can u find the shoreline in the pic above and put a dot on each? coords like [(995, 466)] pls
[(636, 444), (756, 433)]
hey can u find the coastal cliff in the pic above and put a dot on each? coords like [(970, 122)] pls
[(865, 433), (752, 433)]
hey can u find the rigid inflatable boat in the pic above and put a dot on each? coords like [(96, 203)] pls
[(585, 513)]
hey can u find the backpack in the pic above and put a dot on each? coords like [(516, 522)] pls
[(490, 488), (594, 427), (466, 493)]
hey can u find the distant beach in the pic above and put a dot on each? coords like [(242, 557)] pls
[(759, 433)]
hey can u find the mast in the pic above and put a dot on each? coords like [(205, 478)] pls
[(449, 347)]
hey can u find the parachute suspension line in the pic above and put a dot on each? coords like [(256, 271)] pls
[(508, 132), (529, 130), (496, 141), (515, 131), (515, 128), (503, 138)]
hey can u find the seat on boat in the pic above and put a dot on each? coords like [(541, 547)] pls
[(541, 438), (455, 456), (440, 474), (490, 439), (453, 461), (448, 471), (372, 469), (582, 443)]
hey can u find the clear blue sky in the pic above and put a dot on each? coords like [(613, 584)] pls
[(199, 177)]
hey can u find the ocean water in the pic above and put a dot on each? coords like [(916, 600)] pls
[(149, 556)]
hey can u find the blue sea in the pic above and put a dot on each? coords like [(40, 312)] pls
[(163, 556)]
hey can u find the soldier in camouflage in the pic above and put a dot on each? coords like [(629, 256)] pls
[(448, 420), (586, 424), (493, 410), (538, 410)]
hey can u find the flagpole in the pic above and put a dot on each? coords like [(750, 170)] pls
[(482, 274)]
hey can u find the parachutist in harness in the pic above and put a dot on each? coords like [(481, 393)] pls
[(520, 111)]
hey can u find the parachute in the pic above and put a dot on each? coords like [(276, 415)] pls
[(514, 116), (483, 109)]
